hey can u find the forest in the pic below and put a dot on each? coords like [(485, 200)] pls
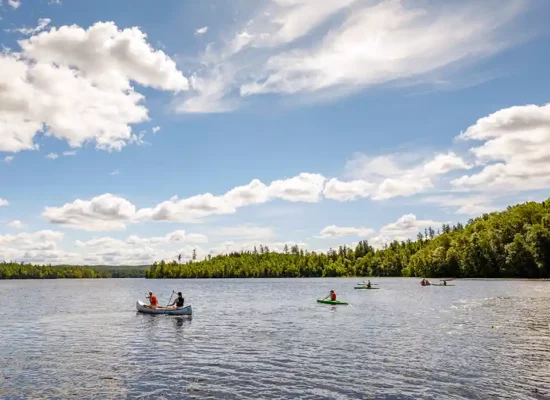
[(514, 243), (11, 270)]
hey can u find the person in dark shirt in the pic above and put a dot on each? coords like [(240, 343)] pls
[(178, 303)]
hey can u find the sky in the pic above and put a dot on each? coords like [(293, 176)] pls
[(134, 131)]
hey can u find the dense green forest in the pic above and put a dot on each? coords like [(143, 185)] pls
[(514, 243), (28, 271)]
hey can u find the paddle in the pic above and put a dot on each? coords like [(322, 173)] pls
[(168, 305)]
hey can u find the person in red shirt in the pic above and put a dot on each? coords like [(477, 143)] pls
[(153, 299), (332, 295)]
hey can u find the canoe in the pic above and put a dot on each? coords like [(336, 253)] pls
[(364, 287), (179, 311), (440, 284), (332, 302)]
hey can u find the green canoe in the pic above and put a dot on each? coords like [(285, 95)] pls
[(364, 287), (331, 302)]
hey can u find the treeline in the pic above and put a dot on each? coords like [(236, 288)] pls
[(10, 270), (514, 243)]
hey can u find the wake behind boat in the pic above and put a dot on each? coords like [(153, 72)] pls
[(142, 307)]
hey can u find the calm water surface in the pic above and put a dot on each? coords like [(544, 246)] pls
[(269, 339)]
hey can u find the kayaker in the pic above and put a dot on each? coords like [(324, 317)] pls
[(369, 285), (444, 283), (179, 301), (153, 300), (332, 295)]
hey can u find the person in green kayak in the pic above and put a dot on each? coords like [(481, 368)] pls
[(332, 295)]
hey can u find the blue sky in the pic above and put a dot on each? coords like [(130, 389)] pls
[(336, 121)]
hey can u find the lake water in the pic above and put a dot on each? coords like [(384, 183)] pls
[(269, 339)]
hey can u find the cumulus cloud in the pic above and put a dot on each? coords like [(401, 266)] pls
[(103, 213), (52, 156), (14, 3), (40, 240), (406, 226), (75, 84), (471, 205), (339, 231), (156, 129), (179, 236), (16, 224), (306, 46), (69, 153), (514, 155), (8, 159), (246, 231), (3, 202), (402, 174), (343, 191)]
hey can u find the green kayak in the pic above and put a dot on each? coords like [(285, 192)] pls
[(364, 287), (331, 302)]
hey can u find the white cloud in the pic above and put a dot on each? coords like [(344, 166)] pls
[(304, 187), (401, 174), (344, 191), (41, 240), (305, 46), (107, 56), (103, 213), (132, 241), (14, 3), (246, 231), (16, 224), (115, 172), (54, 1), (514, 155), (52, 156), (406, 226), (472, 205), (42, 24), (3, 202), (340, 231), (75, 84), (444, 163), (8, 159), (201, 31), (69, 153), (156, 129)]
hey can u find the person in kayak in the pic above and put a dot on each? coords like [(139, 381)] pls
[(332, 295), (178, 303), (369, 284), (153, 300)]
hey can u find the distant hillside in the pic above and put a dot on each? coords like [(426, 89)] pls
[(28, 271)]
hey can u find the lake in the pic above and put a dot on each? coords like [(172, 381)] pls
[(269, 339)]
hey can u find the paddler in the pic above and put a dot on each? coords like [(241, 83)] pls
[(368, 284), (332, 295), (153, 300), (178, 303)]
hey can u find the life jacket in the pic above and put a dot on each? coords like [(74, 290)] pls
[(154, 301), (333, 296)]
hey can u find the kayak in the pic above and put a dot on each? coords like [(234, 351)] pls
[(364, 287), (361, 283), (332, 302), (141, 307), (440, 284)]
